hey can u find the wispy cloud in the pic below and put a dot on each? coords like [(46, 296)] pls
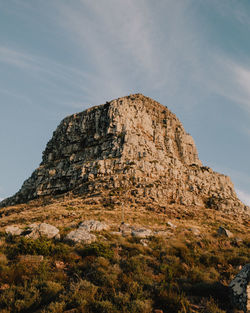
[(25, 60), (115, 37), (235, 10), (53, 75), (16, 58), (20, 97), (229, 79), (132, 46), (244, 196), (242, 77)]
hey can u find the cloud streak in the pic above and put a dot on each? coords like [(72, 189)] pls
[(53, 75), (26, 61), (234, 10), (99, 50), (244, 196), (233, 82), (124, 43), (118, 44), (133, 46)]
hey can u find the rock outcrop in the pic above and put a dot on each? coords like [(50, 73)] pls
[(34, 231), (240, 289), (92, 225), (80, 235), (224, 232), (130, 148), (13, 230)]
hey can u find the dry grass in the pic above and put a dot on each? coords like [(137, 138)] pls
[(183, 272), (67, 211)]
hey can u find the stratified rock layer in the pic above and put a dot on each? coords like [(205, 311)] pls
[(130, 148)]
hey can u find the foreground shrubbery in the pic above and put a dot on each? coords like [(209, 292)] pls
[(118, 275)]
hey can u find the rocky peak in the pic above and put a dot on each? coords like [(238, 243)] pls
[(132, 147)]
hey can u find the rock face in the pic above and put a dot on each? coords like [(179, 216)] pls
[(93, 225), (80, 235), (131, 147), (142, 233), (43, 230), (13, 230), (34, 231), (240, 287), (224, 232)]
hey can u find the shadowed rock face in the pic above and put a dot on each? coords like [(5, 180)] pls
[(133, 147), (240, 289)]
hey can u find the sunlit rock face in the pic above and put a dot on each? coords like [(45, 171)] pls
[(132, 147)]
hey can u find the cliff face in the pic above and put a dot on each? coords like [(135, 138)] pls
[(131, 147)]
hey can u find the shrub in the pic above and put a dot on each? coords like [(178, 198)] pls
[(97, 249), (173, 301), (49, 291), (102, 307), (40, 246), (138, 306), (211, 307), (54, 307), (79, 295), (20, 299)]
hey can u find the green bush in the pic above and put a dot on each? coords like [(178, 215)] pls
[(41, 246), (97, 249), (173, 301), (102, 307), (119, 275), (211, 307)]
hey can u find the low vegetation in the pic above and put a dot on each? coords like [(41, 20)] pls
[(118, 275), (182, 273)]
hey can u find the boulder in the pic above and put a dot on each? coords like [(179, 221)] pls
[(43, 230), (116, 233), (31, 258), (237, 241), (141, 233), (195, 231), (162, 233), (4, 286), (240, 289), (13, 230), (92, 225), (60, 265), (144, 242), (224, 232), (172, 225), (126, 229), (80, 235)]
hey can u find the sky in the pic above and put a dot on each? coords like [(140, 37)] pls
[(58, 57)]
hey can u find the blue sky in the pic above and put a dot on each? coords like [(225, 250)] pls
[(58, 57)]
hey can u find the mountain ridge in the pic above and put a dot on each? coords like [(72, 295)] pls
[(133, 147)]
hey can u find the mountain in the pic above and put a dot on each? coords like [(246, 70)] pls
[(129, 149)]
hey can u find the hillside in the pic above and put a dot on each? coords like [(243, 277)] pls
[(135, 148), (184, 265), (122, 216)]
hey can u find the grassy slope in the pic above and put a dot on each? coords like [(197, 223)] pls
[(182, 272)]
